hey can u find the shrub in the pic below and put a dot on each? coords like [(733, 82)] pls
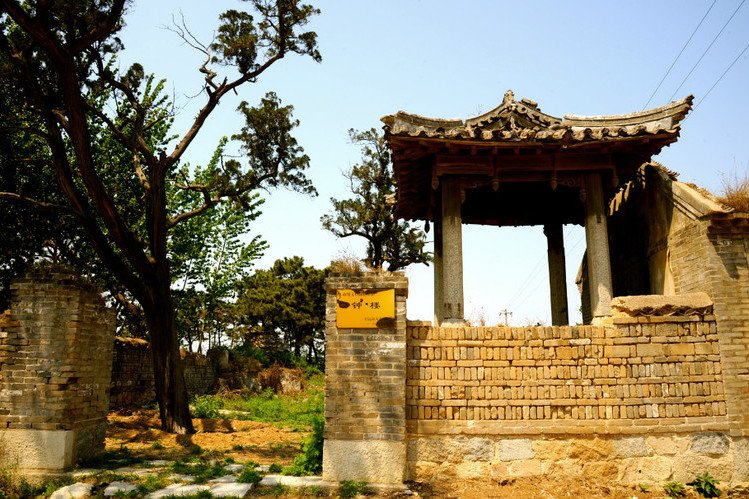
[(350, 488), (206, 406), (249, 476), (674, 489), (705, 485), (310, 461), (274, 468)]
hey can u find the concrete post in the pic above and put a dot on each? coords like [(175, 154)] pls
[(597, 239), (557, 274), (452, 253), (365, 387)]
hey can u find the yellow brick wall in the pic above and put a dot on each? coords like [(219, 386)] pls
[(636, 368)]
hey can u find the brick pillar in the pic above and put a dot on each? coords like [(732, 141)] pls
[(365, 388), (54, 392)]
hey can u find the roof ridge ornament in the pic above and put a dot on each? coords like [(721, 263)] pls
[(509, 97)]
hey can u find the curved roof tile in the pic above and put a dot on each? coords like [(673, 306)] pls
[(523, 120)]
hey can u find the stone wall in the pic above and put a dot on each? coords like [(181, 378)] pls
[(132, 374), (638, 400), (55, 371)]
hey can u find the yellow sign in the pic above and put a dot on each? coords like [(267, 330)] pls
[(365, 308)]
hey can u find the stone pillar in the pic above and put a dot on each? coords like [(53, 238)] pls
[(439, 297), (54, 393), (365, 388), (557, 274), (452, 253), (597, 239)]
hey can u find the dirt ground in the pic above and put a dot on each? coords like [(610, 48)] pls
[(266, 444), (262, 443)]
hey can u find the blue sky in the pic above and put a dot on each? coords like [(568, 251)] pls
[(451, 59)]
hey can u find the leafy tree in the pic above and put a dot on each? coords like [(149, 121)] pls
[(285, 304), (209, 258), (369, 214), (56, 54)]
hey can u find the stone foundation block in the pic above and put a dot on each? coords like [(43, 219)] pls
[(711, 443), (630, 447), (38, 450), (741, 459), (515, 449), (688, 466), (372, 461)]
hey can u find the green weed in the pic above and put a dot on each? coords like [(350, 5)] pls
[(350, 488), (294, 412), (206, 406), (705, 485), (310, 461), (674, 489), (249, 476)]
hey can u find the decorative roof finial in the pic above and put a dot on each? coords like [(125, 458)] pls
[(509, 97)]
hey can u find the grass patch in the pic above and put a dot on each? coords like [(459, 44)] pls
[(249, 476), (201, 471), (350, 488), (15, 486), (295, 412)]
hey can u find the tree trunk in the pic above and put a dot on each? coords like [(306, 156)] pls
[(168, 369)]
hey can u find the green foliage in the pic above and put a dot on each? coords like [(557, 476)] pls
[(200, 470), (705, 485), (15, 486), (274, 468), (285, 306), (210, 253), (102, 136), (369, 214), (674, 489), (206, 406), (644, 487), (296, 412), (315, 491), (249, 476), (309, 462), (152, 483), (350, 488)]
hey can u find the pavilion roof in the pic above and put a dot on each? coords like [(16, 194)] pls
[(522, 121), (518, 165)]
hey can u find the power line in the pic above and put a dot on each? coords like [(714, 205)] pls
[(721, 77), (677, 57), (706, 50)]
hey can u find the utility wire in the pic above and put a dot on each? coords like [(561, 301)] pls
[(677, 57), (706, 50), (718, 81)]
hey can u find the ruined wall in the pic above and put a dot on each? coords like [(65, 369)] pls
[(57, 350), (712, 255), (132, 374)]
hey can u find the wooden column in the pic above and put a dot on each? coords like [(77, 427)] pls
[(597, 239), (557, 274), (452, 253)]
